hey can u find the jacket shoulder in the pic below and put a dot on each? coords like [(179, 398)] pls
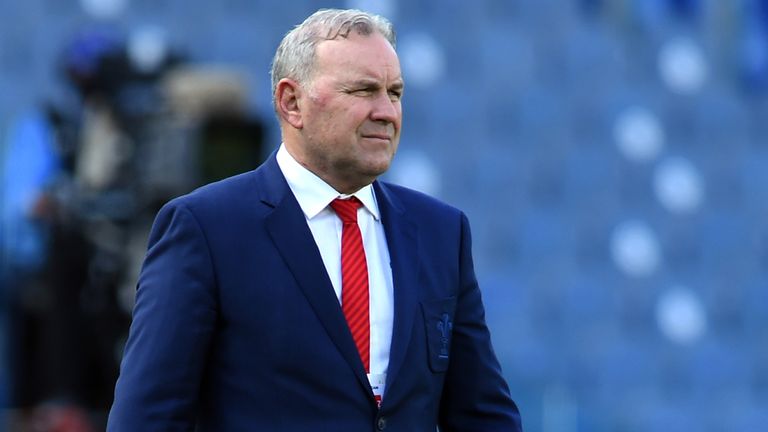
[(220, 200), (413, 200)]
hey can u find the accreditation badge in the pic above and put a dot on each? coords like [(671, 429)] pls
[(378, 382)]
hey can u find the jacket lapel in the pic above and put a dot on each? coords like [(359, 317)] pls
[(291, 235), (403, 253)]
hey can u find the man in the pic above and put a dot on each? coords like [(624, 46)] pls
[(306, 295)]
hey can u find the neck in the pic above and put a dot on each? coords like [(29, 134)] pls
[(341, 185)]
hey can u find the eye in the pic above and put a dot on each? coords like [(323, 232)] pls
[(395, 95), (361, 91)]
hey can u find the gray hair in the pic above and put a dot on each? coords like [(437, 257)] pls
[(295, 57)]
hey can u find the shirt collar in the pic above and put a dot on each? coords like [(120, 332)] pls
[(314, 194)]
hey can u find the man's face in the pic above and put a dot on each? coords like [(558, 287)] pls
[(352, 113)]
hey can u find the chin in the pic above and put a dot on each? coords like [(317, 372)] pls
[(379, 167)]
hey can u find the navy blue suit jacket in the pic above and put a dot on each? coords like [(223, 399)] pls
[(237, 327)]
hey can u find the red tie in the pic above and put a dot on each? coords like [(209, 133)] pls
[(354, 277)]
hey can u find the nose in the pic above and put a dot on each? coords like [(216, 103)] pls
[(385, 109)]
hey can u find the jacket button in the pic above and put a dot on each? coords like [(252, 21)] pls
[(381, 424)]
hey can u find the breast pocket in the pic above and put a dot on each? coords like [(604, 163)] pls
[(438, 319)]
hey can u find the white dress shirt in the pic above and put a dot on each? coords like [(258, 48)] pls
[(314, 196)]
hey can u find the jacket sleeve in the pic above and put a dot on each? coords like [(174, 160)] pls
[(173, 321), (475, 396)]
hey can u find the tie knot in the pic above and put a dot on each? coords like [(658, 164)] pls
[(346, 209)]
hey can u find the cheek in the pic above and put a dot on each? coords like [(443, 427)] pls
[(319, 100), (339, 114)]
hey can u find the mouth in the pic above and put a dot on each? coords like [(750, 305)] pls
[(383, 137)]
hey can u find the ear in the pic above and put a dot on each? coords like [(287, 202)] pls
[(287, 95)]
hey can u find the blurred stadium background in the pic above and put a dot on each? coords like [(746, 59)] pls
[(612, 156)]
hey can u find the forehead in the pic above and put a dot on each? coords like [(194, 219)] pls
[(370, 55)]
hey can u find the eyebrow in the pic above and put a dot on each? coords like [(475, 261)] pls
[(371, 83)]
